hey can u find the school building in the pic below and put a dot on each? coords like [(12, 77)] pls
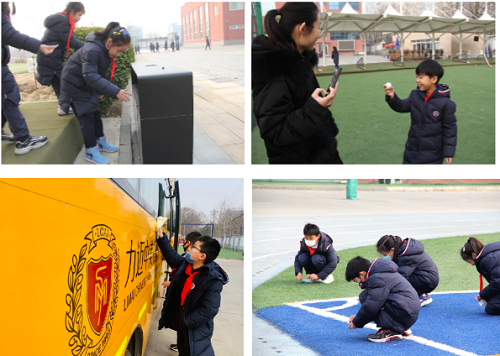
[(222, 22)]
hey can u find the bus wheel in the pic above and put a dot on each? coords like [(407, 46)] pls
[(127, 353)]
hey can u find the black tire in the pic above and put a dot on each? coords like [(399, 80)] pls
[(127, 353)]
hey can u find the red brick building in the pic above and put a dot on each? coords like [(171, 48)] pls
[(222, 22), (349, 40)]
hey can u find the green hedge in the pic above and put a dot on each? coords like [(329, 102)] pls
[(122, 71)]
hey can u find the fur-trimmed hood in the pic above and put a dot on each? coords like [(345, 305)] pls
[(270, 62)]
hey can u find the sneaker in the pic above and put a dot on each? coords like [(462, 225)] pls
[(425, 299), (173, 347), (307, 280), (7, 139), (31, 143), (93, 155), (385, 336), (328, 279), (408, 332), (105, 145)]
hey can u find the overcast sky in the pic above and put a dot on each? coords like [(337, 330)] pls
[(205, 194), (152, 16)]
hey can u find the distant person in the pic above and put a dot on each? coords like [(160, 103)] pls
[(294, 118), (157, 47), (194, 296), (10, 91), (172, 45), (388, 299), (413, 263), (487, 262), (139, 48), (316, 256), (84, 83), (316, 53), (433, 130), (166, 45), (335, 57), (207, 44), (59, 31), (152, 47)]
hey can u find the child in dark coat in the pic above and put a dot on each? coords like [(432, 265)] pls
[(316, 255), (84, 82), (193, 299), (10, 91), (487, 262), (413, 263), (433, 131), (388, 299), (59, 31)]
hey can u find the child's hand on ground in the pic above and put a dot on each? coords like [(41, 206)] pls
[(351, 326), (448, 160), (46, 49), (478, 298), (166, 284), (327, 101), (313, 276), (351, 318), (299, 276), (122, 95), (389, 92)]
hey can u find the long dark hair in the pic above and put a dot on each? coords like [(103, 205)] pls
[(387, 242), (75, 6), (472, 245), (279, 24), (119, 35)]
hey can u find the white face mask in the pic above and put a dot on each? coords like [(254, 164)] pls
[(310, 243)]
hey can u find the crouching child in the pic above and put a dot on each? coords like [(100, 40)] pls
[(388, 299), (316, 255)]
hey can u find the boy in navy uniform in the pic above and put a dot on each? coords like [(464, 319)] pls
[(316, 255), (388, 298), (433, 131)]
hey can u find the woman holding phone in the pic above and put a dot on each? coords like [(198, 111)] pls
[(292, 113)]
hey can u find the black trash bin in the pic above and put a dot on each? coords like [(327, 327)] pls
[(163, 96)]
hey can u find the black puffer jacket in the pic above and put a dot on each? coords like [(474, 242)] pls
[(417, 266), (386, 288), (295, 128), (84, 78), (11, 37), (433, 131), (201, 305), (488, 264), (57, 33), (325, 248)]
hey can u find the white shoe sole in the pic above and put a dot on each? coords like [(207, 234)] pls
[(426, 302), (392, 338), (103, 150), (94, 162), (327, 280), (22, 151)]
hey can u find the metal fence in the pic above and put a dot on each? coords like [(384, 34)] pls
[(232, 242)]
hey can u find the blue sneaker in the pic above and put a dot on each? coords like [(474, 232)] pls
[(105, 145), (94, 156)]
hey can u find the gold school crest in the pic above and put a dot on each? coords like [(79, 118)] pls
[(95, 272)]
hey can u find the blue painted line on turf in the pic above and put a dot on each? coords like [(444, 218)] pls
[(453, 319)]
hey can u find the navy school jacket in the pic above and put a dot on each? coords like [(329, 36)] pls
[(201, 305), (386, 288), (84, 78), (325, 248), (417, 266), (56, 33), (11, 37), (488, 264), (433, 130)]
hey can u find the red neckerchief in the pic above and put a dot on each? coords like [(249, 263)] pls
[(311, 250), (480, 282), (113, 67), (428, 96), (188, 284), (72, 23)]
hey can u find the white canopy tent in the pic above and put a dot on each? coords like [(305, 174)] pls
[(349, 20)]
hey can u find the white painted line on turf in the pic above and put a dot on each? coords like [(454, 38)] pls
[(327, 314), (273, 254)]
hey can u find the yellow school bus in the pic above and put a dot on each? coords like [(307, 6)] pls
[(80, 270)]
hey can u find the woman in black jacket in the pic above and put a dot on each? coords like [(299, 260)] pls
[(293, 117), (84, 82), (59, 32), (335, 57)]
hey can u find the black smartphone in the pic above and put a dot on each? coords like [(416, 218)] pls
[(334, 80)]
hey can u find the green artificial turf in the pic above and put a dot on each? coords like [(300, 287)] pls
[(18, 68), (454, 274), (224, 253), (372, 133)]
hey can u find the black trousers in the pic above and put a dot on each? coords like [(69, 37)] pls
[(56, 85), (183, 341), (91, 125)]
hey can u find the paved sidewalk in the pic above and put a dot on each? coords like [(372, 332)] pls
[(218, 79), (228, 324)]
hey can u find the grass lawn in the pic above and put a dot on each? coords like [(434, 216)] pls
[(18, 68), (224, 253), (454, 274), (371, 133)]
